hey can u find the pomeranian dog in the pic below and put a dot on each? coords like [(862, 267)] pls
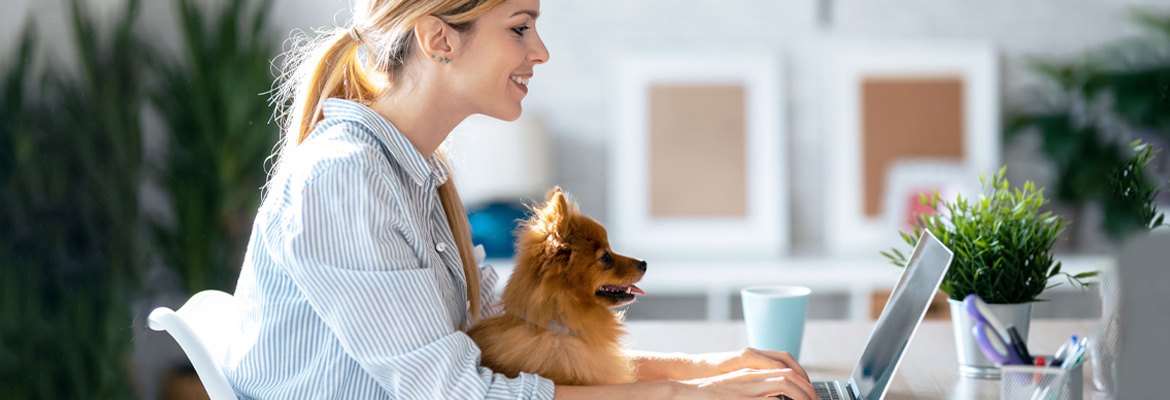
[(558, 319)]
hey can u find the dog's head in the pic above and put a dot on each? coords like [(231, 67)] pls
[(562, 252)]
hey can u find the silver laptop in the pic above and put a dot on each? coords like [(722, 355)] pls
[(896, 326)]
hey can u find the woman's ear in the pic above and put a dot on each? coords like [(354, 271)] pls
[(436, 38)]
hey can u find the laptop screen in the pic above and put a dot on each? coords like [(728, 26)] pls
[(904, 311)]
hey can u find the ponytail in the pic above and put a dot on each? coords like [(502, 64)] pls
[(337, 74), (461, 230)]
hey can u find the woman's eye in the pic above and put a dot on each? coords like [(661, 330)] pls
[(520, 30), (606, 259)]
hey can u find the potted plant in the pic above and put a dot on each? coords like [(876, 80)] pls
[(1086, 110), (72, 253), (213, 103), (1002, 244)]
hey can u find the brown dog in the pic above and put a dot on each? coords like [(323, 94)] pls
[(558, 320)]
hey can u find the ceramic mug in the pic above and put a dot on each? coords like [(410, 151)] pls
[(774, 317)]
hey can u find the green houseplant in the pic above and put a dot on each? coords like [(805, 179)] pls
[(1086, 110), (212, 100), (1002, 244), (72, 251)]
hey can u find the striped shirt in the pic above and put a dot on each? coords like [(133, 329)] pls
[(352, 287)]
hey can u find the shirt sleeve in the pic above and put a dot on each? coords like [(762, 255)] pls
[(346, 253)]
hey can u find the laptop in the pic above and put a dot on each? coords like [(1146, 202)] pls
[(904, 310)]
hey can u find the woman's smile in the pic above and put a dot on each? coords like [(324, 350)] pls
[(521, 82)]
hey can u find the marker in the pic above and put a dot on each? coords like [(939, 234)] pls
[(1019, 345), (1039, 363)]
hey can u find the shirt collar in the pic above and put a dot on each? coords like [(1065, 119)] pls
[(421, 169)]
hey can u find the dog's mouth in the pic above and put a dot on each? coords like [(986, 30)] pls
[(619, 295)]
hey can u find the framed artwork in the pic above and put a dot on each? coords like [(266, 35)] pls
[(697, 158), (908, 180), (895, 103)]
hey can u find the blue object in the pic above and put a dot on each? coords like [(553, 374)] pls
[(995, 341), (774, 317), (493, 225)]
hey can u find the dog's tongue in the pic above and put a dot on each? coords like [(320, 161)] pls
[(634, 289)]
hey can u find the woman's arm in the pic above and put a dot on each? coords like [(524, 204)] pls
[(745, 383), (652, 366)]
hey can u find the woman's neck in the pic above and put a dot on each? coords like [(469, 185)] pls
[(424, 116)]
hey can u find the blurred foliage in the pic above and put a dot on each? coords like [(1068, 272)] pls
[(73, 242), (1097, 102), (1002, 242), (1133, 195), (72, 249), (214, 103)]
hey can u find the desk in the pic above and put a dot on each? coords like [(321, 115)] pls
[(831, 347)]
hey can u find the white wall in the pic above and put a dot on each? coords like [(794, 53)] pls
[(584, 36)]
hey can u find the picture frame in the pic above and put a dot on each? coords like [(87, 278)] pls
[(697, 158), (888, 103)]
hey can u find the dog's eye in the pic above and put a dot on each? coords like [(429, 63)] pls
[(606, 258)]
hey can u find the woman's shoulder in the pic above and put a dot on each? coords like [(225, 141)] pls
[(335, 147)]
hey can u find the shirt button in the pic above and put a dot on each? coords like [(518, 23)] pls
[(441, 247)]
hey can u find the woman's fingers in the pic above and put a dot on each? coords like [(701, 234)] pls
[(797, 389), (753, 383), (785, 358), (785, 382)]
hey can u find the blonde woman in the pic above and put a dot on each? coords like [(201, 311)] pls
[(360, 276)]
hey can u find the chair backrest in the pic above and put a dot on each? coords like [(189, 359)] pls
[(203, 327)]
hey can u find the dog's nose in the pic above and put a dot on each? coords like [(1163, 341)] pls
[(642, 265)]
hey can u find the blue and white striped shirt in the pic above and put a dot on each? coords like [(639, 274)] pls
[(352, 287)]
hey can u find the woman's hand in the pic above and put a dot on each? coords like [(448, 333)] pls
[(750, 384), (712, 364)]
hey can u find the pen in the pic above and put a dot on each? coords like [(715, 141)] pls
[(1075, 358), (1018, 343), (1063, 350)]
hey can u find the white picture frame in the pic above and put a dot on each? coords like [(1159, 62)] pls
[(760, 231), (850, 230)]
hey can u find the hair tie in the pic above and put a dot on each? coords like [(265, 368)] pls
[(357, 37)]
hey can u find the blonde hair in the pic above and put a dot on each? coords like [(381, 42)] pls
[(330, 66)]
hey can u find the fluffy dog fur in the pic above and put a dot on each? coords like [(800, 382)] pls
[(558, 320)]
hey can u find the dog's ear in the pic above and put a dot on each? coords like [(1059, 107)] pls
[(555, 217)]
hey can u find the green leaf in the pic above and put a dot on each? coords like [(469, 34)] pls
[(1084, 275)]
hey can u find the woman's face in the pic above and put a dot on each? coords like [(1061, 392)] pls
[(497, 58)]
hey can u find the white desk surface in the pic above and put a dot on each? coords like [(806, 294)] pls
[(831, 347)]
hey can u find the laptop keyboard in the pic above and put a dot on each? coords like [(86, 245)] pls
[(824, 390)]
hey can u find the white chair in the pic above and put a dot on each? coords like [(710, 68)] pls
[(203, 327)]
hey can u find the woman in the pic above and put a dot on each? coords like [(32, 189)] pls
[(360, 275)]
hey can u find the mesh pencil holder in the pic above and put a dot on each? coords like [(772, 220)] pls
[(1026, 382)]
